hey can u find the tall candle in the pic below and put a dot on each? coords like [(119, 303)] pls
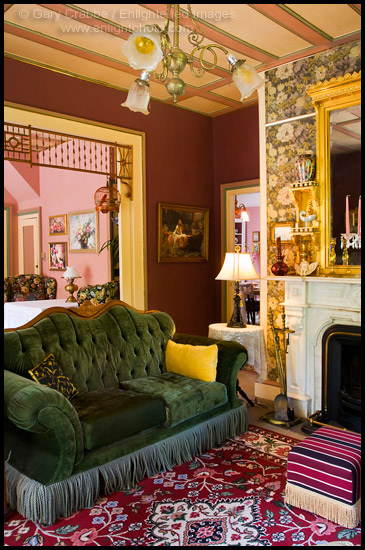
[(347, 216), (278, 246), (359, 218)]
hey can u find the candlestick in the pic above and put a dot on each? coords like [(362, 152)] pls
[(359, 217), (278, 246), (347, 216)]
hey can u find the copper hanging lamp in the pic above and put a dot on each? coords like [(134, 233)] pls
[(107, 199)]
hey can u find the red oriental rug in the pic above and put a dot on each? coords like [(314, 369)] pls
[(232, 495)]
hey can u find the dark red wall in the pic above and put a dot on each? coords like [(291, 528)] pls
[(187, 156)]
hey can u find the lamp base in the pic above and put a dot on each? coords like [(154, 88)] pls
[(235, 324), (236, 319), (71, 288)]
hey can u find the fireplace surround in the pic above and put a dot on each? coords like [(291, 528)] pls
[(313, 305)]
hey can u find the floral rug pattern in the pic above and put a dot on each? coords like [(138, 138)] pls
[(232, 495)]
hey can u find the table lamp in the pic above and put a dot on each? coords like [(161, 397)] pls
[(70, 275), (237, 267)]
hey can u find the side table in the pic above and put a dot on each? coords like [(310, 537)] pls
[(252, 337)]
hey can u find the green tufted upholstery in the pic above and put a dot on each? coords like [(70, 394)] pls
[(20, 288), (116, 360), (98, 294)]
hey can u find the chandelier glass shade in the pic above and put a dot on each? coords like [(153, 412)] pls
[(139, 95), (146, 48)]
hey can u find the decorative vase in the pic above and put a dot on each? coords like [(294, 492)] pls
[(280, 268), (83, 244), (305, 167)]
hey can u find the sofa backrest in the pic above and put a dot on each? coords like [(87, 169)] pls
[(97, 351), (21, 288)]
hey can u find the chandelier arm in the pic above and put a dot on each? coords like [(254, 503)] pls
[(201, 70)]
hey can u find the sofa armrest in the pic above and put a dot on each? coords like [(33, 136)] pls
[(42, 410), (232, 356)]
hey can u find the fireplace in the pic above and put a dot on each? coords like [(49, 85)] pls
[(341, 376), (316, 309)]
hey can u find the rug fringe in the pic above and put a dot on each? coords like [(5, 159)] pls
[(46, 503), (329, 508)]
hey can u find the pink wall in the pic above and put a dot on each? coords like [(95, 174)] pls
[(187, 157), (62, 192)]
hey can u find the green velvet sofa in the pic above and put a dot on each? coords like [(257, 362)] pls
[(130, 419)]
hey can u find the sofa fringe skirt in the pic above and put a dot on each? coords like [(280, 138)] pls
[(46, 503)]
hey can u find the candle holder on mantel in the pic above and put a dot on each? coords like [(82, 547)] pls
[(279, 268)]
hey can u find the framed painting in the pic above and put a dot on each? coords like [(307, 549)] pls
[(83, 231), (281, 229), (57, 256), (57, 225), (182, 233)]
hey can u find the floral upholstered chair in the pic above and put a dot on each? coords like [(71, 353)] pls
[(98, 294), (23, 288)]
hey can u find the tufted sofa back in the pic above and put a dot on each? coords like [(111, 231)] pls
[(21, 288), (119, 344)]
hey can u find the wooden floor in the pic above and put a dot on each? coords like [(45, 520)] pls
[(262, 407)]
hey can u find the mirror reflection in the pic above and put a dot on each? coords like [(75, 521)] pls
[(345, 186)]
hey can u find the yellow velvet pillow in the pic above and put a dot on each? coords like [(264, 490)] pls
[(199, 362)]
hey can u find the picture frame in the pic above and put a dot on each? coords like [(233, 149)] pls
[(255, 248), (282, 230), (57, 225), (255, 236), (57, 256), (83, 231), (182, 233)]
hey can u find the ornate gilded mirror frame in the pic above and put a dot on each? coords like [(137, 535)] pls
[(337, 93)]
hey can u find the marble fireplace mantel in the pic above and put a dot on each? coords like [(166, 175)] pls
[(312, 305)]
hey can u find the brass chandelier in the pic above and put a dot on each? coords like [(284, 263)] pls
[(145, 48)]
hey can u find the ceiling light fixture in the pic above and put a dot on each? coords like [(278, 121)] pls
[(145, 49), (240, 212)]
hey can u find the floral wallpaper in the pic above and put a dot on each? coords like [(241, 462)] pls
[(286, 97)]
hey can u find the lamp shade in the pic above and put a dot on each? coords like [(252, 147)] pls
[(237, 267), (244, 76), (138, 97), (143, 50), (71, 273)]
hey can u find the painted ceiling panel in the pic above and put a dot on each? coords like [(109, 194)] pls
[(334, 19), (85, 41)]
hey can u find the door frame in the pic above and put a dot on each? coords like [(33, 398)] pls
[(132, 214)]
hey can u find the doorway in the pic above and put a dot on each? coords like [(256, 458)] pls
[(132, 230), (249, 193), (29, 242)]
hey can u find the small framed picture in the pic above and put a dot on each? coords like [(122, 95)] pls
[(57, 225), (182, 233), (256, 248), (282, 230), (256, 236), (83, 231), (57, 254)]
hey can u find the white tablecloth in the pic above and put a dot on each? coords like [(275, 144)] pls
[(252, 337), (17, 314)]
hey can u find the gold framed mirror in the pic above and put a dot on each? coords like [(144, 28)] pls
[(338, 110)]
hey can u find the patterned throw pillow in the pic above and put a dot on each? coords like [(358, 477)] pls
[(49, 373)]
